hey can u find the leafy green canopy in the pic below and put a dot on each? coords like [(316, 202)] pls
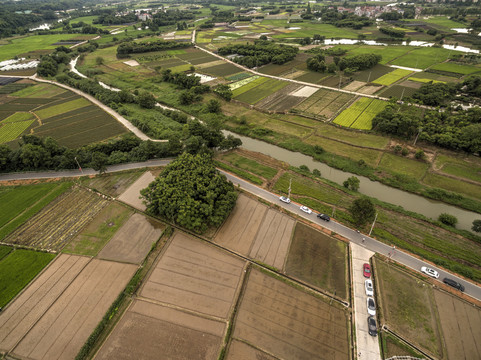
[(191, 193)]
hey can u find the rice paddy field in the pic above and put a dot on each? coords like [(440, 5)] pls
[(48, 110), (324, 103), (450, 67), (392, 77), (422, 58), (360, 114)]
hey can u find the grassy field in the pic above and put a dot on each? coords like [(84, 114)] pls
[(457, 166), (422, 58), (18, 269), (461, 187), (310, 29), (263, 90), (250, 165), (354, 138), (392, 77), (5, 250), (414, 168), (99, 231), (388, 53), (20, 203), (444, 22), (456, 68), (318, 260), (240, 173)]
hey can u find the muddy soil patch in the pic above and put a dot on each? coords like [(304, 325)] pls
[(131, 196)]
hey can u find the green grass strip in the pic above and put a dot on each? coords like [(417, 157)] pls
[(5, 250), (241, 173), (22, 218), (18, 269), (392, 77), (18, 116), (12, 130), (62, 108), (249, 86)]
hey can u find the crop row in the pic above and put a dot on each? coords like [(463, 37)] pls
[(243, 82), (62, 108), (11, 131), (392, 77), (348, 116), (260, 92), (19, 116), (364, 121)]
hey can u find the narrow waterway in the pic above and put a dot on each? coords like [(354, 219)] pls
[(408, 201)]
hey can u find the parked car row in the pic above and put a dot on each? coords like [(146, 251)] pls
[(370, 302), (306, 209), (434, 274)]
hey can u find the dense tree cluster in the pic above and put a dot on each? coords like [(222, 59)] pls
[(224, 92), (347, 64), (127, 48), (191, 193), (260, 53), (392, 32), (111, 19), (332, 16)]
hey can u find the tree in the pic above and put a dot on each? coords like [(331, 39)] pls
[(362, 211), (99, 60), (448, 219), (191, 193), (352, 183), (213, 106), (146, 100), (99, 161), (476, 226)]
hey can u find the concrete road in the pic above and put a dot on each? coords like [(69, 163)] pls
[(471, 288), (367, 345)]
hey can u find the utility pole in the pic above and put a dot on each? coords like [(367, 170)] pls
[(290, 183), (372, 227), (419, 132), (80, 168), (402, 95), (369, 77), (340, 81)]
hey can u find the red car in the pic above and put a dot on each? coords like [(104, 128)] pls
[(366, 270)]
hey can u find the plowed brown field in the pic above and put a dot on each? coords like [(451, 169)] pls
[(239, 350), (131, 196), (195, 276), (288, 323)]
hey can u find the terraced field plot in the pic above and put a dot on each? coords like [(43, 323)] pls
[(195, 276), (256, 231), (147, 330), (324, 103), (56, 314), (392, 77), (360, 114), (56, 224), (281, 320)]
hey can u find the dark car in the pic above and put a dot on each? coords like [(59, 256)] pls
[(371, 325), (453, 283), (324, 217)]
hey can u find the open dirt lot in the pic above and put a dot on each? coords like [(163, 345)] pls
[(254, 230), (461, 324), (196, 276), (289, 323), (131, 196), (152, 331), (58, 311), (239, 350), (133, 240)]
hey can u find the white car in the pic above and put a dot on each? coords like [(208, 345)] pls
[(306, 209), (369, 288), (285, 199), (430, 272), (371, 306)]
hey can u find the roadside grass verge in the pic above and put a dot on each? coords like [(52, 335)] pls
[(241, 173), (18, 269)]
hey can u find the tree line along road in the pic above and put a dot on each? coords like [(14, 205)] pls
[(352, 235)]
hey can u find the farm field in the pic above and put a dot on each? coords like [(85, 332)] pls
[(56, 314), (387, 53), (409, 167), (286, 322), (131, 195), (468, 168), (20, 203), (456, 68), (286, 98), (17, 269), (195, 276), (392, 77), (250, 165), (5, 250), (422, 58), (132, 242), (59, 222), (112, 184), (354, 138), (398, 91), (324, 103), (70, 119), (257, 231), (261, 91), (450, 324), (99, 231), (455, 185), (148, 329), (360, 114), (319, 260)]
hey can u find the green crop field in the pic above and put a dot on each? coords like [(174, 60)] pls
[(249, 85), (19, 116), (388, 53), (222, 70), (310, 29), (422, 58), (454, 185), (421, 80), (348, 116), (456, 68), (39, 91), (18, 269), (413, 168), (392, 77), (12, 130), (62, 108), (18, 204), (263, 90), (5, 250), (468, 169), (364, 120), (444, 21)]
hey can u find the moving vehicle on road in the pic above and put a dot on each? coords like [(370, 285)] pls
[(430, 272), (369, 288), (371, 306), (306, 209), (323, 217), (453, 283), (371, 325), (285, 199), (366, 270)]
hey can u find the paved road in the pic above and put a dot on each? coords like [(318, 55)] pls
[(471, 289)]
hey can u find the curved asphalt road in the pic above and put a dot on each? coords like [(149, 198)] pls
[(471, 289)]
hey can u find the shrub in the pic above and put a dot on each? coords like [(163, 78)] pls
[(404, 151), (448, 219)]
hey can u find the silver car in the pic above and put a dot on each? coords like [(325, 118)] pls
[(371, 306), (369, 288)]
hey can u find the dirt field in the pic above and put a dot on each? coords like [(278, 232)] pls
[(60, 221), (196, 276), (69, 321), (151, 331), (113, 184), (241, 351), (133, 240), (318, 260), (461, 324), (282, 100), (254, 230), (289, 323), (131, 196)]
